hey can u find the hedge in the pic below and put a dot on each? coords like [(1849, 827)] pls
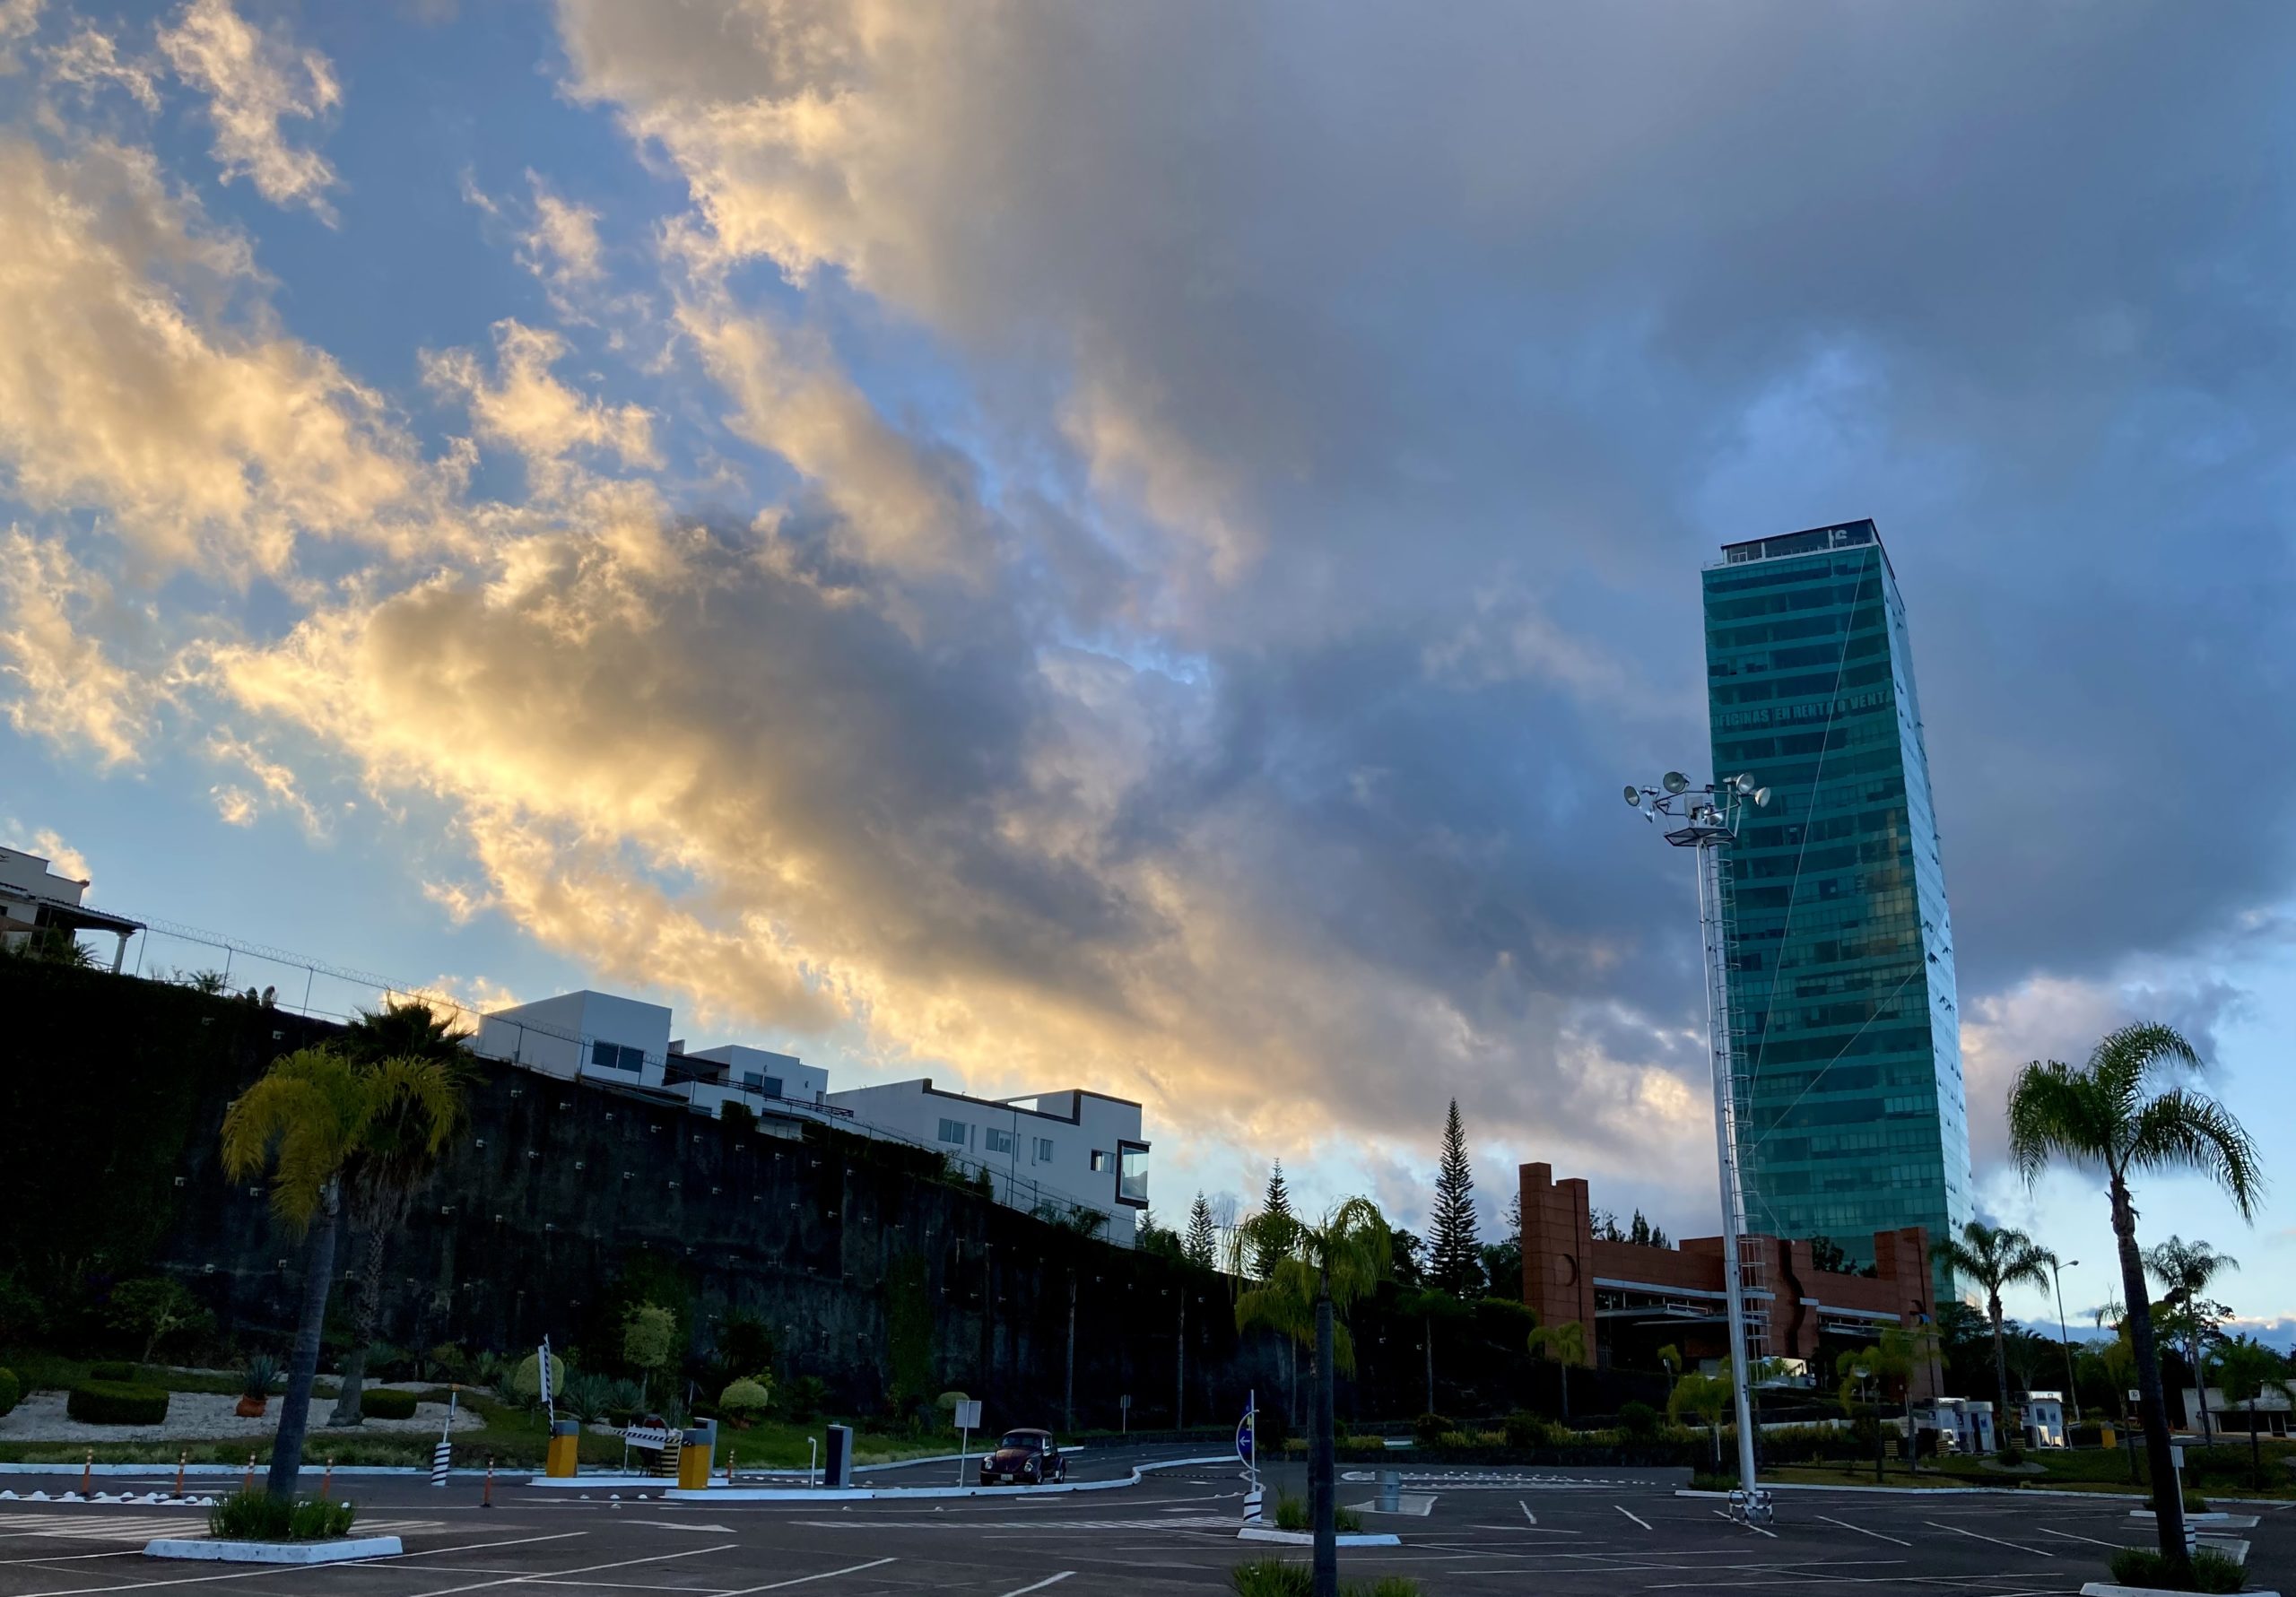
[(115, 1371), (117, 1403), (383, 1402), (11, 1390)]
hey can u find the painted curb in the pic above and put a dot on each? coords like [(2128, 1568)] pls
[(865, 1494), (1307, 1538), (2215, 1516), (276, 1552), (65, 1467), (2097, 1588), (1933, 1491)]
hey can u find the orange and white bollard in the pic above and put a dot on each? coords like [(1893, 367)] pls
[(182, 1459), (486, 1499), (326, 1481), (729, 1466), (88, 1474), (248, 1484)]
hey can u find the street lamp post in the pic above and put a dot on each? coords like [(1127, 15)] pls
[(1705, 820), (2064, 1332)]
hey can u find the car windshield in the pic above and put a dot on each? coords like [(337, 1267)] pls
[(1029, 1439)]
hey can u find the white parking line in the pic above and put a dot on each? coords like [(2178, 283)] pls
[(515, 1580), (1050, 1580), (2069, 1536), (1997, 1541), (1630, 1514), (1771, 1534), (1525, 1507), (1861, 1530), (804, 1579)]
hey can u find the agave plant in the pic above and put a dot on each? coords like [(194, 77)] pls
[(586, 1397), (625, 1394), (260, 1375)]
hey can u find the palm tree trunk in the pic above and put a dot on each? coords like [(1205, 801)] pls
[(2200, 1380), (2256, 1449), (2151, 1407), (1322, 1489), (1563, 1380), (1429, 1324), (2000, 1376), (366, 1309), (303, 1363)]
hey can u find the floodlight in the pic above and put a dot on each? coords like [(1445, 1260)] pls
[(1743, 783), (1674, 781), (1761, 798), (1634, 795)]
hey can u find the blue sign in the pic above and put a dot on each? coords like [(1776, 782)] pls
[(1244, 1439)]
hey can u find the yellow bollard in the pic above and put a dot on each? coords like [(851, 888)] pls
[(693, 1467), (2106, 1437), (563, 1462)]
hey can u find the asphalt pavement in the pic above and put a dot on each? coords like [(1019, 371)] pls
[(1465, 1531)]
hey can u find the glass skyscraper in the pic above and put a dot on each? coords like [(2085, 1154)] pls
[(1845, 1025)]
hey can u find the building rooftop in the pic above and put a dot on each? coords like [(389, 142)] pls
[(1817, 540)]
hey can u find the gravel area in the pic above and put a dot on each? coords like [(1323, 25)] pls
[(199, 1417)]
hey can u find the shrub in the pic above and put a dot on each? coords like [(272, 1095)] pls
[(1429, 1428), (804, 1395), (1523, 1429), (117, 1403), (1704, 1480), (587, 1398), (257, 1516), (114, 1370), (526, 1379), (1295, 1446), (382, 1402), (1291, 1512), (1368, 1444), (1454, 1438), (1638, 1420), (747, 1398), (1271, 1577), (11, 1390), (2211, 1571), (1346, 1520)]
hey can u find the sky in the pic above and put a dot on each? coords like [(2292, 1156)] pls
[(1135, 546)]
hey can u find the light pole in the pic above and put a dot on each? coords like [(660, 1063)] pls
[(2065, 1332), (1706, 819)]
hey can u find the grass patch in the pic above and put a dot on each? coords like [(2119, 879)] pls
[(258, 1517), (2211, 1571), (1274, 1577)]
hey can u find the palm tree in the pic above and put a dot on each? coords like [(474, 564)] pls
[(1702, 1397), (1566, 1344), (302, 1119), (1428, 1304), (2247, 1369), (417, 1072), (2112, 1114), (1670, 1357), (1328, 1264), (1994, 1257), (2185, 1269)]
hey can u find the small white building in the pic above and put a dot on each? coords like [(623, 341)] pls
[(2043, 1416), (593, 1036), (1966, 1423), (34, 900), (2272, 1408), (1058, 1151), (760, 1079)]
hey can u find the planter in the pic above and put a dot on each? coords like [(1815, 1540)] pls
[(276, 1552), (252, 1408)]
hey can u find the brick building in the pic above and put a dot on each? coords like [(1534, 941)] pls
[(1637, 1299)]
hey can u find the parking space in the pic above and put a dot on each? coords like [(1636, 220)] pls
[(1466, 1532)]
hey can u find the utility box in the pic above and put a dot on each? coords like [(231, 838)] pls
[(565, 1455), (836, 1457), (696, 1457)]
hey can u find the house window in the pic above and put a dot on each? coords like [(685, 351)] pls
[(1100, 1161), (613, 1057), (993, 1140), (954, 1131), (1044, 1150), (1132, 1174)]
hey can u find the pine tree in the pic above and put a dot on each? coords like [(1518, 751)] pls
[(1455, 1261), (1266, 1253), (1201, 1247)]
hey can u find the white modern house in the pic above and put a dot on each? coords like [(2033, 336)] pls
[(1054, 1153), (592, 1036), (33, 900), (1063, 1149)]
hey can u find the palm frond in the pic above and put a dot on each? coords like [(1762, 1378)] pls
[(2180, 1130), (2057, 1112), (303, 1117)]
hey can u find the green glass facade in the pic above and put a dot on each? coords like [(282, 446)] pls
[(1845, 1024)]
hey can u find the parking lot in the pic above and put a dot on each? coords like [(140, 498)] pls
[(1472, 1532)]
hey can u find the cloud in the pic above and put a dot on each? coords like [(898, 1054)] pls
[(18, 21), (65, 686), (279, 787), (142, 375), (528, 410), (91, 58), (255, 80), (562, 248)]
